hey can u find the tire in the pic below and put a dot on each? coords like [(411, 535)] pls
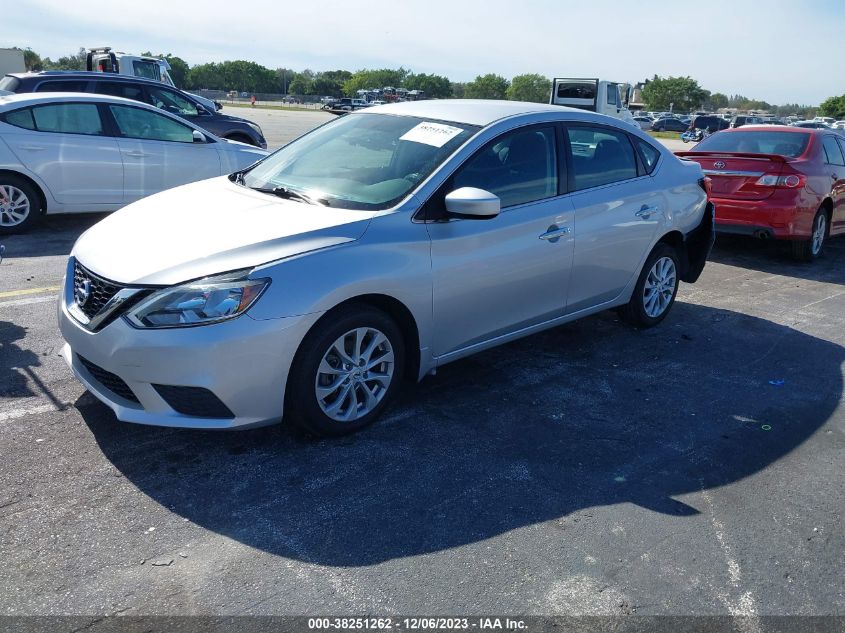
[(20, 205), (335, 403), (657, 286), (810, 250)]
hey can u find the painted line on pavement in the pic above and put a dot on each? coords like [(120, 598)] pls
[(28, 291), (27, 301)]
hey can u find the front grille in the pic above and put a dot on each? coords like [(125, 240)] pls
[(109, 380), (194, 401), (99, 292)]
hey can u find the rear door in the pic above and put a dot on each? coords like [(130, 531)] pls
[(66, 146), (159, 152), (617, 213)]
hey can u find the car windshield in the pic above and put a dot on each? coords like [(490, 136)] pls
[(791, 144), (360, 161)]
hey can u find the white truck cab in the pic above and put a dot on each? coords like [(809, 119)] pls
[(596, 95), (105, 60)]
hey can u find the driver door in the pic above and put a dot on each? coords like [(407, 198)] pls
[(159, 152), (494, 276)]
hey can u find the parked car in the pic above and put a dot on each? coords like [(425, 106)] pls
[(711, 123), (741, 120), (147, 91), (784, 183), (644, 122), (71, 153), (812, 125), (380, 245), (669, 125), (839, 125)]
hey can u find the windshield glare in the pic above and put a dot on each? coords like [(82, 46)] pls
[(791, 144), (361, 161)]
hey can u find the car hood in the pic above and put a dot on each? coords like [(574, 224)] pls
[(209, 227)]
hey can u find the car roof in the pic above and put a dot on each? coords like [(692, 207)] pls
[(468, 111), (88, 74), (31, 98)]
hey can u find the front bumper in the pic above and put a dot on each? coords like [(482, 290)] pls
[(244, 362), (773, 218)]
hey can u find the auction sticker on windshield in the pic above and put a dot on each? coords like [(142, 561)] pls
[(435, 134)]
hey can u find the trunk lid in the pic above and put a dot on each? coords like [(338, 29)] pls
[(735, 175)]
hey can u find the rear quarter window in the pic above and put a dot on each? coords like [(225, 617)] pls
[(10, 83), (20, 118), (648, 154)]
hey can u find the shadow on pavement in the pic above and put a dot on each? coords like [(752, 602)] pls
[(589, 414), (774, 257), (15, 362)]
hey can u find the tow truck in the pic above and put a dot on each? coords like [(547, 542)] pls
[(596, 95)]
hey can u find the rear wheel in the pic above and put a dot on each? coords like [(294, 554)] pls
[(812, 249), (347, 371), (656, 289), (20, 206)]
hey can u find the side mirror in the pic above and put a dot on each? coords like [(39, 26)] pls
[(218, 106), (472, 203), (199, 137)]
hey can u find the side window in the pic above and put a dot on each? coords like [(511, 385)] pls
[(68, 118), (519, 167), (143, 124), (20, 118), (171, 101), (67, 85), (649, 155), (612, 94), (600, 156), (119, 89), (833, 155)]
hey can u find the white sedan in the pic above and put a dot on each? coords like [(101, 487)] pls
[(75, 153)]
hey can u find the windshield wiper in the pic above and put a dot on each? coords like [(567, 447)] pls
[(290, 194)]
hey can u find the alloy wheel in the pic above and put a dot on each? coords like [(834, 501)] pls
[(14, 206), (819, 233), (659, 287), (354, 374)]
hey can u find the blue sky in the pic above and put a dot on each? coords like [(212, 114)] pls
[(776, 50)]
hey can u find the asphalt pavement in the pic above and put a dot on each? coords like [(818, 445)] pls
[(694, 468)]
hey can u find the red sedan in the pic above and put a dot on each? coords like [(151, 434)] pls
[(777, 182)]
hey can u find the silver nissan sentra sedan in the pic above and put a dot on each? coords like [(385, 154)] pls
[(375, 248)]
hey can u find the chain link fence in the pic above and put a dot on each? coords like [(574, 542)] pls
[(262, 98)]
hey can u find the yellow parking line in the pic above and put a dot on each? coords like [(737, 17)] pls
[(28, 291)]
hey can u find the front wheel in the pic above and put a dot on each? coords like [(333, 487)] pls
[(656, 289), (347, 371)]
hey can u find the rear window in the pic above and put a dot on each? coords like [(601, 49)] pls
[(10, 83), (791, 144), (577, 90)]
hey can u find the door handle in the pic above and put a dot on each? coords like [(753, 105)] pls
[(554, 233), (646, 212), (135, 154), (33, 148)]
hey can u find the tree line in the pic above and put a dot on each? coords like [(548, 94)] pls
[(245, 76)]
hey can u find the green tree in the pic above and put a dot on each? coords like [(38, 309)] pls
[(488, 86), (300, 84), (458, 89), (367, 79), (718, 101), (69, 62), (434, 86), (833, 106), (530, 87), (32, 60), (683, 92)]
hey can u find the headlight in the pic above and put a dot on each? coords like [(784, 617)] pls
[(201, 302), (256, 128)]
